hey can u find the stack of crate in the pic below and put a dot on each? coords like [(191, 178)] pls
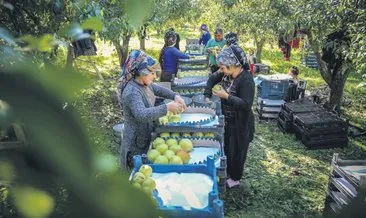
[(312, 124), (309, 60), (320, 129), (271, 92), (289, 109), (344, 186)]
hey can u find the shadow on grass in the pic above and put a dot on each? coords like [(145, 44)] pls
[(284, 179)]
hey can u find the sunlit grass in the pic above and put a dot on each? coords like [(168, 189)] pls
[(285, 179)]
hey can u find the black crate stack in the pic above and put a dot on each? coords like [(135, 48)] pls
[(345, 180), (288, 110), (313, 125)]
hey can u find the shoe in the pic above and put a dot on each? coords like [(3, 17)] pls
[(232, 183)]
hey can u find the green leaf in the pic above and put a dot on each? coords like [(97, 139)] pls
[(30, 40), (138, 11), (46, 42), (93, 23), (361, 84)]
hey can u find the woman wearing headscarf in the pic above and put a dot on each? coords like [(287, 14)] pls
[(138, 99), (205, 35), (231, 38), (237, 94), (169, 56), (178, 38)]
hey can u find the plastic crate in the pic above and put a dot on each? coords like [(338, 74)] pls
[(319, 119), (345, 181), (273, 87), (187, 101), (283, 124), (261, 68), (289, 109), (201, 143), (215, 206), (301, 106), (268, 108)]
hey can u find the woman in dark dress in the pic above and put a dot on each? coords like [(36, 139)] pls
[(237, 94)]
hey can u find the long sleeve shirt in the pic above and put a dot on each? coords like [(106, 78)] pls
[(211, 44), (205, 37), (170, 59)]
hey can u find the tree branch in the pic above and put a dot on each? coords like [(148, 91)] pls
[(323, 68)]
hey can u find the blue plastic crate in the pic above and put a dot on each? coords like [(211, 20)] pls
[(215, 206), (272, 89)]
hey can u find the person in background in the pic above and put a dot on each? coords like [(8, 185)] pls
[(252, 61), (169, 56), (231, 38), (293, 73), (213, 47), (237, 95), (285, 47), (138, 98), (178, 38), (205, 35)]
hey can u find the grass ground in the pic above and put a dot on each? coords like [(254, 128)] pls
[(283, 178)]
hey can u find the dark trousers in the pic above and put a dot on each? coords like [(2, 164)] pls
[(166, 77), (235, 150)]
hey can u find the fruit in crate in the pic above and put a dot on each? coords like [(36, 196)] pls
[(139, 178), (171, 142), (150, 183), (169, 154), (161, 160), (146, 170), (152, 154), (186, 134), (176, 160), (216, 88), (164, 135), (186, 144), (210, 135), (147, 190), (175, 118), (198, 134), (175, 135), (175, 148), (162, 148), (158, 141), (136, 185), (163, 120), (184, 156)]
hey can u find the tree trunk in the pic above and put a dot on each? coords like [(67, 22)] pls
[(122, 50), (259, 44), (70, 56), (335, 78), (336, 90), (118, 47), (126, 42), (142, 43)]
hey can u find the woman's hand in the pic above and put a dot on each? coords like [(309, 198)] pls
[(175, 107), (221, 93), (180, 100)]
